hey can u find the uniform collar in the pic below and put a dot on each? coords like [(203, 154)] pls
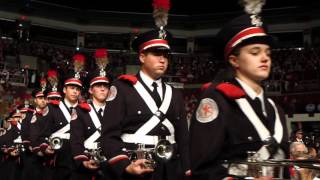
[(68, 104), (148, 81), (96, 107), (250, 92)]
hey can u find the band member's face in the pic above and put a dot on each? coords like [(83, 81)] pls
[(72, 93), (154, 63), (253, 62), (41, 102), (99, 91), (6, 124)]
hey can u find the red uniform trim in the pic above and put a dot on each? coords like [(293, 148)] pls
[(131, 78), (99, 79), (85, 106), (205, 86), (230, 90), (54, 102), (118, 158), (81, 157), (73, 81), (152, 42), (244, 34)]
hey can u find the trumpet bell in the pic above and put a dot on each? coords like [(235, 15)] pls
[(164, 150), (56, 143)]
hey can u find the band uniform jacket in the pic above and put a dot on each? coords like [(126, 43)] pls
[(36, 125), (12, 167), (33, 167), (25, 128), (226, 136), (81, 129), (49, 124), (127, 112)]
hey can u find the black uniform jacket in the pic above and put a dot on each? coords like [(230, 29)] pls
[(50, 123), (81, 129), (228, 136), (127, 112), (25, 128), (6, 140), (36, 126)]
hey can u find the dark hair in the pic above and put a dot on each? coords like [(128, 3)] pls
[(236, 51)]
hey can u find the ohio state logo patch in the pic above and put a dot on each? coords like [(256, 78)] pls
[(33, 119), (207, 110), (74, 115)]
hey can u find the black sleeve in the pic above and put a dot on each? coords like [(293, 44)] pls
[(285, 139), (181, 133), (77, 138), (44, 128), (111, 142), (25, 128), (207, 137), (35, 128)]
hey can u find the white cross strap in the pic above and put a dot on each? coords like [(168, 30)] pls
[(262, 131), (65, 112), (62, 133), (90, 143), (154, 120)]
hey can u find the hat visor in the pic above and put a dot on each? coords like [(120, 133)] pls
[(100, 82), (73, 84), (156, 48), (269, 40)]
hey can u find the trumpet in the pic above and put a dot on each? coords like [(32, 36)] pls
[(19, 147), (162, 152), (96, 155), (55, 143)]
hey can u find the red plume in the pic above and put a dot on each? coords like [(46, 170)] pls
[(101, 56), (53, 77), (52, 73), (164, 4), (160, 12), (78, 62)]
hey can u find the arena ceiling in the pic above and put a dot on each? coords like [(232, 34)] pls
[(184, 14), (181, 7)]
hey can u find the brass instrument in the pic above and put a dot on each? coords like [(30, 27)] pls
[(55, 143), (19, 147), (252, 168), (96, 155), (162, 152)]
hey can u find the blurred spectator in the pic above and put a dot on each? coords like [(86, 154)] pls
[(298, 136), (298, 151)]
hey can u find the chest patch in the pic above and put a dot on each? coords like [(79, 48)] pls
[(74, 114), (207, 110), (33, 119)]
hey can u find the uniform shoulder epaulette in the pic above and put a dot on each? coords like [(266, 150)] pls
[(85, 106), (54, 102), (230, 90), (130, 78), (205, 86)]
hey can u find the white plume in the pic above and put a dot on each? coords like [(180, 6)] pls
[(252, 6)]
